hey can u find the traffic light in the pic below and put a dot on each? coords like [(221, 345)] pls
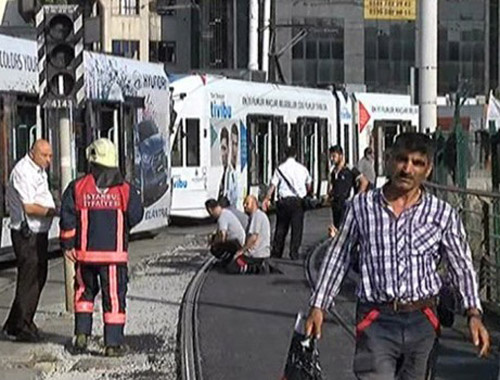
[(60, 55)]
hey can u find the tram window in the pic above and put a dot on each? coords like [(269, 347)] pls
[(177, 147), (24, 133), (128, 153), (258, 149), (323, 149), (193, 142), (347, 147)]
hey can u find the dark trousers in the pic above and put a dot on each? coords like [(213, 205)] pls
[(338, 211), (394, 345), (225, 251), (289, 211), (113, 280), (248, 265), (32, 262)]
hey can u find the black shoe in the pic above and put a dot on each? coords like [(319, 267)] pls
[(27, 337), (8, 334), (115, 351)]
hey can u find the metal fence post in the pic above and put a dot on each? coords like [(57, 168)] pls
[(484, 269), (461, 141), (440, 170)]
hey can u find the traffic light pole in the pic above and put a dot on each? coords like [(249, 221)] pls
[(66, 177)]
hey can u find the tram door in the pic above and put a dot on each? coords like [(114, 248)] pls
[(116, 121), (260, 153), (18, 132), (310, 137), (383, 135), (279, 142)]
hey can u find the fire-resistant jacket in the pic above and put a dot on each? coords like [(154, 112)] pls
[(97, 222)]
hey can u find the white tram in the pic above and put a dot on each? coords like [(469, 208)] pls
[(127, 101), (229, 136)]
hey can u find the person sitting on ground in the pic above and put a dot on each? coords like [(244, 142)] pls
[(253, 257), (230, 235), (242, 217)]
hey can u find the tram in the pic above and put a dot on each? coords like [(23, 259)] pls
[(229, 136), (126, 100)]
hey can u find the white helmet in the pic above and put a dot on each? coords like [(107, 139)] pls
[(102, 152)]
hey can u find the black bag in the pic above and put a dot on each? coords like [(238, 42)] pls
[(303, 356), (308, 202), (25, 229)]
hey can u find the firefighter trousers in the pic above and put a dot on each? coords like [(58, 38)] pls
[(112, 279)]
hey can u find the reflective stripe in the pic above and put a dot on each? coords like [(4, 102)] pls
[(68, 234), (114, 318), (85, 226), (80, 284), (84, 307), (102, 257), (367, 320), (119, 230), (113, 289)]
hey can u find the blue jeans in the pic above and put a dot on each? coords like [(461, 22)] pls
[(394, 345)]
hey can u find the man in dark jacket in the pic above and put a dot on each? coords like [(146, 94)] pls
[(97, 213)]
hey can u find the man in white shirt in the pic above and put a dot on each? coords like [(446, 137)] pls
[(31, 208), (293, 182)]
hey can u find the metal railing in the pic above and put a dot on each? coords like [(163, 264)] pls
[(480, 213)]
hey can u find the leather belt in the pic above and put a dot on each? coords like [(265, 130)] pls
[(397, 306)]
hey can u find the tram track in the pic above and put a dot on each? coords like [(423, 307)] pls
[(189, 351), (312, 265)]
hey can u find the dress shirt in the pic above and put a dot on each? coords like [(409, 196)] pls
[(298, 176), (28, 184), (399, 256)]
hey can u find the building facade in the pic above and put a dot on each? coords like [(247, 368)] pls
[(129, 28), (340, 46), (204, 35)]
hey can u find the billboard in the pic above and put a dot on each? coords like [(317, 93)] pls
[(18, 65), (112, 79), (390, 9)]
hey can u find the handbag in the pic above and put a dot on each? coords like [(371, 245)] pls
[(302, 361), (308, 202), (25, 228)]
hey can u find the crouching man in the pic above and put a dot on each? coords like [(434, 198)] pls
[(229, 236), (253, 257), (97, 213)]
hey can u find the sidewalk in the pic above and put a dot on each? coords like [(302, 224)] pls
[(26, 361)]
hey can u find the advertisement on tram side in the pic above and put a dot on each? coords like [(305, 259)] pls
[(18, 65), (113, 79)]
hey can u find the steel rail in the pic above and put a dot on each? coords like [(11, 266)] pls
[(310, 271), (190, 361)]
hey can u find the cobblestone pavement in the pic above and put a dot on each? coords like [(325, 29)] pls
[(160, 269)]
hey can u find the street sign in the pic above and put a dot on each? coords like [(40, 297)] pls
[(390, 9)]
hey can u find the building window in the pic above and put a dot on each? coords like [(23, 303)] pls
[(167, 7), (162, 51), (125, 48), (318, 59), (129, 7)]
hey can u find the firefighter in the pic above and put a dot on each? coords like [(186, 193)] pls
[(97, 213)]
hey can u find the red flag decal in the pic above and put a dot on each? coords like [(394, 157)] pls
[(364, 116)]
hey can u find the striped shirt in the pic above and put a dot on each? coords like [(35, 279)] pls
[(399, 256)]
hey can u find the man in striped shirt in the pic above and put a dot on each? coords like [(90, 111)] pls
[(403, 233)]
